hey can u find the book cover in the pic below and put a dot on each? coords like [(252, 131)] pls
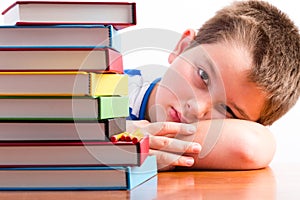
[(62, 84), (118, 14), (100, 130), (60, 35), (60, 58), (70, 153), (79, 178), (63, 108)]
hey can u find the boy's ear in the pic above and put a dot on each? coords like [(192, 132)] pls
[(182, 44)]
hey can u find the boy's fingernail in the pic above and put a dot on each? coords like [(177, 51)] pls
[(191, 129), (196, 148), (189, 162)]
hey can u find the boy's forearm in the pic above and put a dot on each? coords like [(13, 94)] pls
[(232, 144)]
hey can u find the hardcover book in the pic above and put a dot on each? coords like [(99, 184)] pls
[(60, 58), (79, 178), (62, 84), (63, 108), (146, 191), (118, 14), (60, 35), (61, 131), (68, 153)]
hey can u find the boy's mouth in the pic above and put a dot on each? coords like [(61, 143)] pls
[(175, 116)]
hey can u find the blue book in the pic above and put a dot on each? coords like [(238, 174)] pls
[(145, 191), (59, 35), (78, 178)]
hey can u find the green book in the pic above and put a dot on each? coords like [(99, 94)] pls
[(63, 108)]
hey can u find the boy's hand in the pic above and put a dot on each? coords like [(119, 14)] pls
[(168, 150)]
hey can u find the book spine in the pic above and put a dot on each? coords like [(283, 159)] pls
[(134, 20), (143, 149), (62, 108), (111, 107), (115, 61), (109, 85), (115, 126)]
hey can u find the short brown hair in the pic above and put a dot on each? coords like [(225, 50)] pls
[(272, 40)]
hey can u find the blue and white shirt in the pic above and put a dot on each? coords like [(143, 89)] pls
[(139, 92)]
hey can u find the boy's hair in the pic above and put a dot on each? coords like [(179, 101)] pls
[(272, 40)]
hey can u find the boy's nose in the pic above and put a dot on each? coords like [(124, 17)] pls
[(198, 110)]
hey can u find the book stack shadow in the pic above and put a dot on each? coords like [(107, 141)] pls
[(63, 95)]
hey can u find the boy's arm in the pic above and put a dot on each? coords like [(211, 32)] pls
[(226, 144), (235, 144)]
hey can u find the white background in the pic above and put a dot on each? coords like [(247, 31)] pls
[(176, 16)]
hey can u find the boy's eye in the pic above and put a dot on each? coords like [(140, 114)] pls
[(229, 111), (204, 76)]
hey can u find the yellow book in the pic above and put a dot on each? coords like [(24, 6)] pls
[(108, 84), (63, 83)]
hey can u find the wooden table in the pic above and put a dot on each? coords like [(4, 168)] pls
[(275, 182)]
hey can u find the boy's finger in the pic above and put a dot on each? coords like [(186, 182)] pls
[(173, 145), (164, 128), (166, 160)]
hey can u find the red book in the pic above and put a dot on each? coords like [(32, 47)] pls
[(118, 14), (47, 58), (94, 153)]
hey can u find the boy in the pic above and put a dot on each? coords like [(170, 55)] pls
[(241, 71)]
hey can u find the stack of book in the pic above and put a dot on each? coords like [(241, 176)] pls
[(63, 94)]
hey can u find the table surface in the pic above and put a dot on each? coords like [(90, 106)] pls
[(275, 182)]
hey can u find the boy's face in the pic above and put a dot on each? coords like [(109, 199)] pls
[(207, 82)]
